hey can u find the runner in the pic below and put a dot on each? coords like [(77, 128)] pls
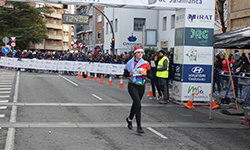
[(136, 69)]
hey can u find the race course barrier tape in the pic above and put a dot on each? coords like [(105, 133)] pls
[(102, 68)]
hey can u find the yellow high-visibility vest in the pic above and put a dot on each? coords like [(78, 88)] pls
[(162, 74)]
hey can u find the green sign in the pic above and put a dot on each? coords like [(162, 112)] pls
[(179, 36), (199, 36), (75, 19)]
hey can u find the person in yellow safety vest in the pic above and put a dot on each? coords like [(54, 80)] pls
[(163, 74)]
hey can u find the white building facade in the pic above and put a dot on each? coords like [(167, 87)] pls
[(128, 28)]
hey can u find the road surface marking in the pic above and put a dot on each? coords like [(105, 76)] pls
[(68, 80), (97, 97), (10, 139), (5, 83), (183, 125), (1, 86), (84, 104), (5, 92), (4, 96), (4, 101), (4, 89), (157, 133), (3, 107)]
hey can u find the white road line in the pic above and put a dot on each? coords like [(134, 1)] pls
[(4, 86), (5, 83), (3, 107), (4, 101), (157, 133), (4, 96), (5, 92), (10, 140), (68, 80), (97, 97), (4, 89), (2, 115)]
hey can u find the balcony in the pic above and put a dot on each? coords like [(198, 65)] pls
[(66, 27), (55, 15), (53, 47), (55, 5), (53, 26), (55, 37), (65, 39)]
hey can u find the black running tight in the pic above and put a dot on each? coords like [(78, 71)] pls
[(136, 92)]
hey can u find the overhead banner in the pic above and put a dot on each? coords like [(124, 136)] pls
[(152, 4)]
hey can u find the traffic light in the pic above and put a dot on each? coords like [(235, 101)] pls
[(112, 44)]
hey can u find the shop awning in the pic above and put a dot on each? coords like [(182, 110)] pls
[(237, 39)]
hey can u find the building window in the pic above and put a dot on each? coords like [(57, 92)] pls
[(99, 34), (107, 28), (116, 25), (99, 18), (55, 43), (164, 24), (139, 23), (65, 43), (55, 21), (55, 10), (111, 25), (47, 42), (65, 33), (172, 21), (47, 19), (55, 32)]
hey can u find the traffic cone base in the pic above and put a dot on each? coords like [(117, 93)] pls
[(190, 102), (80, 76), (95, 78), (110, 81), (150, 94), (214, 105), (101, 81), (121, 84), (88, 77)]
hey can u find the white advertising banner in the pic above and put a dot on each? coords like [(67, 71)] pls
[(102, 68), (195, 18), (153, 4), (198, 55), (176, 88), (201, 91), (178, 54)]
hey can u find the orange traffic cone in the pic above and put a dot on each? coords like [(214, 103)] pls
[(81, 76), (95, 78), (88, 77), (121, 84), (110, 81), (189, 104), (101, 81), (78, 75), (150, 94), (214, 105), (169, 96)]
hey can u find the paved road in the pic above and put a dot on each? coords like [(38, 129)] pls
[(60, 112)]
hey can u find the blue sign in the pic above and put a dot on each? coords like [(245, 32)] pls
[(5, 50), (197, 73), (177, 72)]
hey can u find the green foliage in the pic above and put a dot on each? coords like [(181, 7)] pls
[(149, 50), (24, 22)]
